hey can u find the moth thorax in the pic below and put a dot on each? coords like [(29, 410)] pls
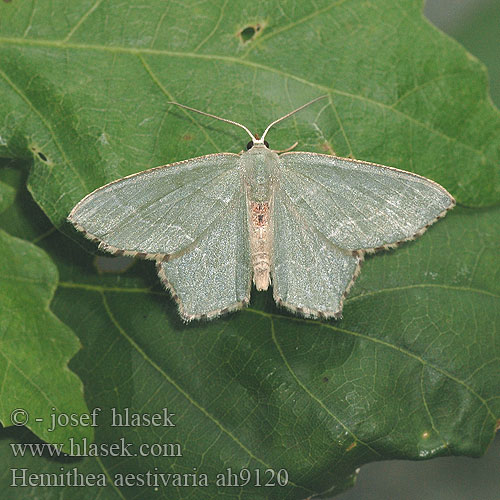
[(260, 243)]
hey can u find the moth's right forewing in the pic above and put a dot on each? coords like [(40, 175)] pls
[(160, 211), (359, 205)]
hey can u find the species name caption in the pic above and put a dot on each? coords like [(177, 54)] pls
[(155, 478)]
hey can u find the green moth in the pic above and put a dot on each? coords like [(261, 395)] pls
[(297, 221)]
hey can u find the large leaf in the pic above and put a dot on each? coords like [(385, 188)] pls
[(7, 194), (35, 345), (84, 88), (411, 371)]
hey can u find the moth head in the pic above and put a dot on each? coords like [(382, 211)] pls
[(257, 140)]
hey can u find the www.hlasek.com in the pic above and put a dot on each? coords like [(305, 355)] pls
[(84, 448), (23, 477)]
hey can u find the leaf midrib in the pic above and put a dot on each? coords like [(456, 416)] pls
[(272, 316), (396, 348), (182, 391), (162, 52)]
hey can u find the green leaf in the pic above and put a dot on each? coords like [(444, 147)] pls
[(85, 86), (410, 372), (7, 195), (412, 369), (21, 217), (35, 346)]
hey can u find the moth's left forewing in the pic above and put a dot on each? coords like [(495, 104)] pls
[(359, 205), (161, 211)]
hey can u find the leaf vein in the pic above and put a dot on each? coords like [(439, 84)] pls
[(174, 384), (47, 125), (82, 20), (312, 395), (235, 60)]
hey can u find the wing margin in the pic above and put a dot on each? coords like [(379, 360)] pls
[(95, 221), (331, 192)]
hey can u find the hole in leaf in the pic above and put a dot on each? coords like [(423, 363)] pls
[(249, 33), (40, 154)]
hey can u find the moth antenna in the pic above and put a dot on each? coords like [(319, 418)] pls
[(213, 116), (287, 149), (290, 114)]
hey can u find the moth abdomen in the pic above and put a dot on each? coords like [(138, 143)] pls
[(260, 243)]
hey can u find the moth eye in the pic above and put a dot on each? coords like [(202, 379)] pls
[(250, 145), (266, 144)]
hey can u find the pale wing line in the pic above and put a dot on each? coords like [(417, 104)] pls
[(385, 344), (345, 215), (293, 24), (427, 409), (232, 205), (211, 34), (110, 248), (312, 395), (244, 62), (190, 245), (355, 272), (174, 384), (82, 20), (304, 223), (365, 193), (377, 178), (47, 125), (155, 79)]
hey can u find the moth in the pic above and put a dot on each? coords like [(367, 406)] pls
[(297, 221)]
